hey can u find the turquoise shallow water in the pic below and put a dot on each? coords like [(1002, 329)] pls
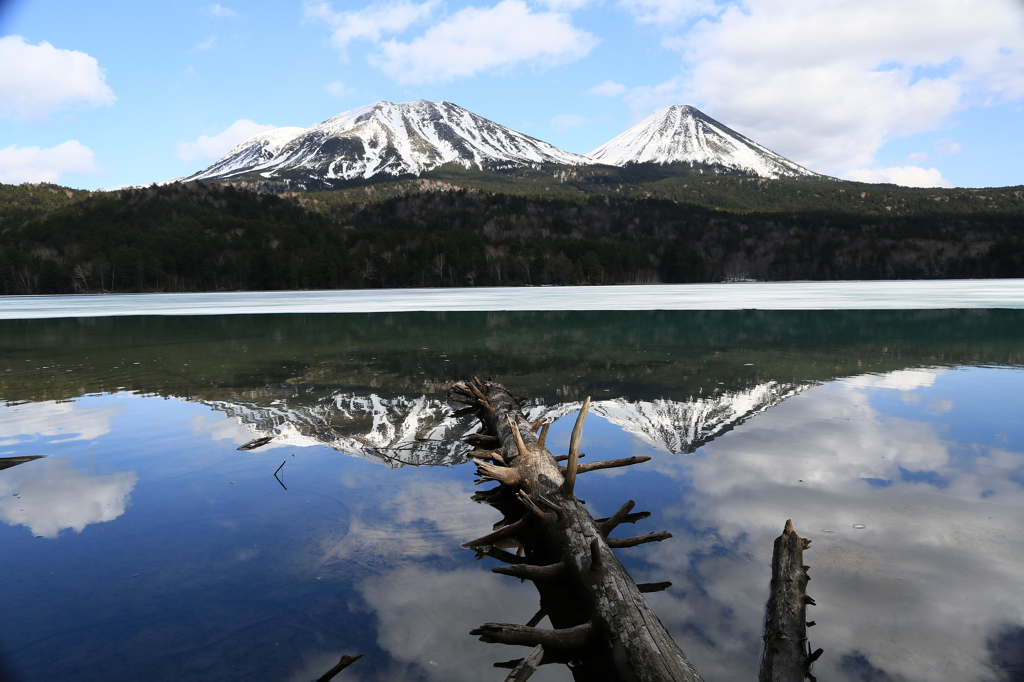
[(145, 545)]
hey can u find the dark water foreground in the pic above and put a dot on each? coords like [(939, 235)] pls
[(144, 545)]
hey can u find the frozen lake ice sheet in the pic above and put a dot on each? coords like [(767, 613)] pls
[(846, 295)]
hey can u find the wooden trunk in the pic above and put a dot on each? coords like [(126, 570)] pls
[(787, 655), (564, 550)]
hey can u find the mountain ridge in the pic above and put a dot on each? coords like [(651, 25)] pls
[(389, 140)]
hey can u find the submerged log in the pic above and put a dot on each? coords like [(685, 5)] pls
[(787, 655), (565, 551)]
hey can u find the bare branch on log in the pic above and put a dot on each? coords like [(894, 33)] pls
[(491, 472), (537, 424), (532, 506), (509, 633), (493, 455), (611, 463), (630, 518), (531, 572), (527, 666), (520, 445), (479, 439), (608, 525), (537, 617), (543, 434), (501, 534), (484, 495), (500, 555), (562, 518), (574, 449), (480, 396), (463, 412), (345, 662), (647, 588), (619, 543)]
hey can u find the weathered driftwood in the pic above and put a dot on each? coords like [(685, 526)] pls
[(564, 550), (787, 655)]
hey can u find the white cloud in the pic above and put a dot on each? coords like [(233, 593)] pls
[(565, 5), (900, 380), (949, 147), (567, 121), (907, 176), (475, 40), (807, 459), (917, 157), (412, 606), (827, 83), (220, 11), (37, 80), (213, 147), (337, 89), (51, 495), (34, 164), (207, 44), (370, 23), (56, 422), (608, 89), (667, 11)]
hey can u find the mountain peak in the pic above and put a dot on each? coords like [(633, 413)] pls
[(385, 138), (683, 134)]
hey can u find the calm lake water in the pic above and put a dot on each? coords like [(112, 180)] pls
[(144, 545)]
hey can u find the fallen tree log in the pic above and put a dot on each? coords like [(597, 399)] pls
[(563, 550)]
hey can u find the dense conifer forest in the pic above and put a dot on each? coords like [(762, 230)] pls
[(523, 227)]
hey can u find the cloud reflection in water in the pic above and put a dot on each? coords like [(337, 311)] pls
[(51, 495), (919, 592)]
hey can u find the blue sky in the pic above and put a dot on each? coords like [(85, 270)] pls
[(103, 94)]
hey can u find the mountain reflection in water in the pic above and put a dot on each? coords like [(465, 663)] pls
[(892, 439)]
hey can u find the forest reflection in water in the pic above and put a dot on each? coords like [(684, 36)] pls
[(145, 545)]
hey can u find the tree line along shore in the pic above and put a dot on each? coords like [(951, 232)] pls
[(463, 228)]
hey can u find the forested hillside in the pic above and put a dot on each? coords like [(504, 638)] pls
[(429, 232)]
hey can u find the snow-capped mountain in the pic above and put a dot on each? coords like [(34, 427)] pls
[(388, 140), (685, 134), (420, 430), (385, 139)]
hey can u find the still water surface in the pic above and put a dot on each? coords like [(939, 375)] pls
[(145, 545)]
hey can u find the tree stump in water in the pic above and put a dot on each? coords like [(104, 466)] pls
[(787, 655), (587, 594)]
